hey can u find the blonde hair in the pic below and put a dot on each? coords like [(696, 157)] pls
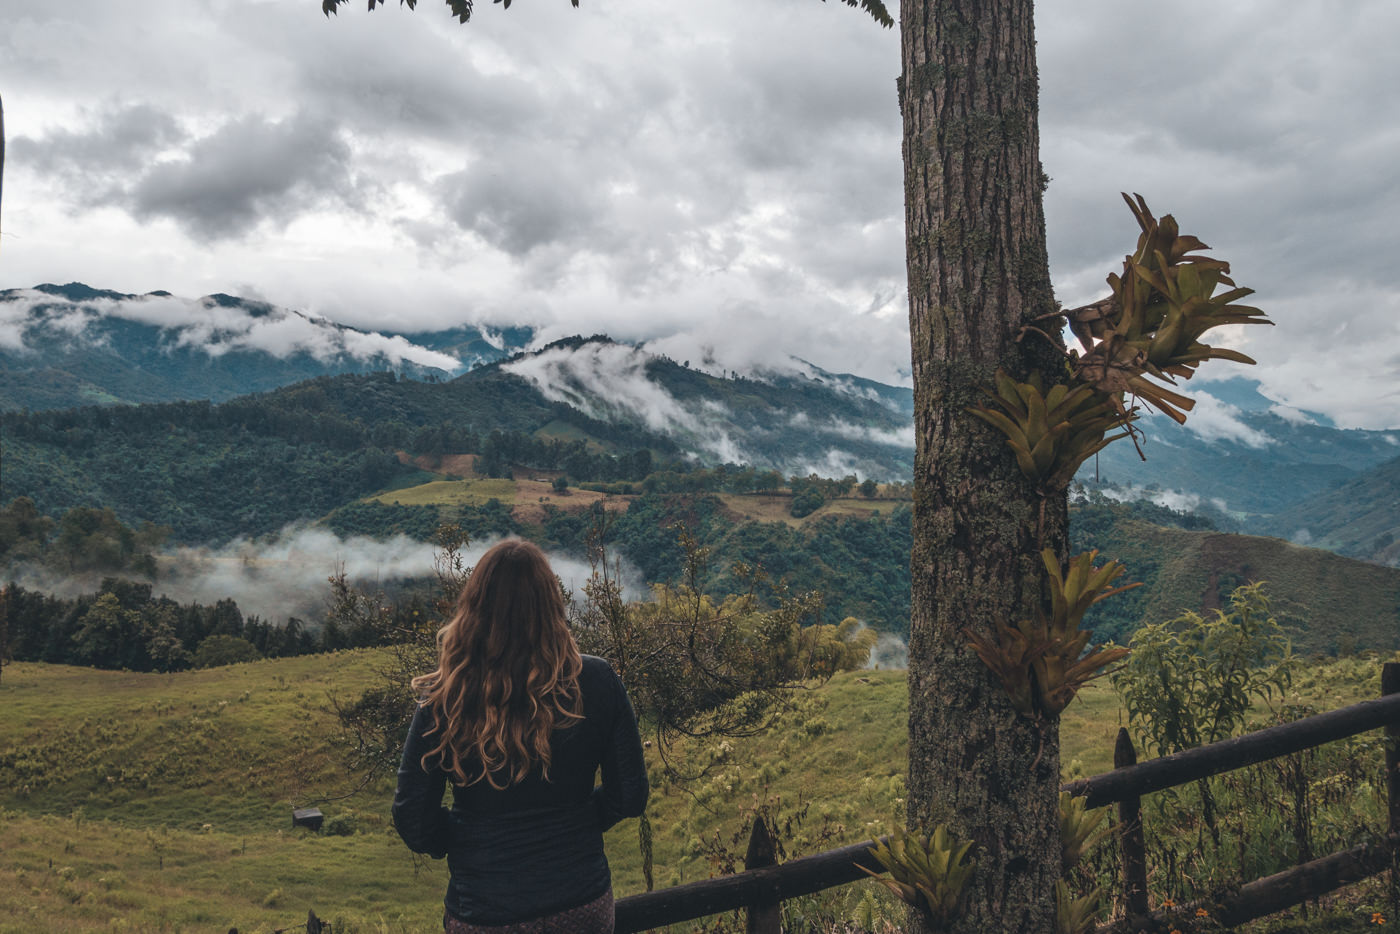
[(507, 673)]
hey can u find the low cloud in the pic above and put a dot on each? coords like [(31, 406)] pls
[(609, 381), (889, 652), (1213, 420), (210, 326), (894, 437), (1178, 500), (288, 574), (1292, 415)]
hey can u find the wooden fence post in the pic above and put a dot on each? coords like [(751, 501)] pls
[(765, 917), (1130, 837)]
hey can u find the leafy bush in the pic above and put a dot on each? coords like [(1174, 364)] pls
[(1191, 680), (221, 649)]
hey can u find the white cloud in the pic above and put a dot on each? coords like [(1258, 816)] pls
[(1290, 414), (1213, 420), (1179, 500), (606, 380), (895, 437), (214, 328), (287, 574)]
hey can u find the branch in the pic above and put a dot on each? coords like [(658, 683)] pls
[(462, 9)]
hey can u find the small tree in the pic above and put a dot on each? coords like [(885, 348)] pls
[(221, 649), (696, 665), (1191, 680)]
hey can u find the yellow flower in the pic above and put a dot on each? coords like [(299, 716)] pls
[(1377, 918)]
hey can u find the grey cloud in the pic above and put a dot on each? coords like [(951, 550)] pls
[(1280, 150), (521, 204), (247, 171), (220, 185), (429, 87), (727, 167), (90, 164)]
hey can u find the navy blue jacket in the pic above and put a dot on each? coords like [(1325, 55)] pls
[(536, 847)]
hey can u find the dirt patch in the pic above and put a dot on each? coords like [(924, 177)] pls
[(532, 496), (459, 465), (454, 465)]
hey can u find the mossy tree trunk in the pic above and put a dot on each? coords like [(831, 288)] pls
[(977, 274)]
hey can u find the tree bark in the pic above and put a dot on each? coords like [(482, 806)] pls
[(977, 274)]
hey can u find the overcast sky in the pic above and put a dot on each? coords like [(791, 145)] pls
[(721, 175)]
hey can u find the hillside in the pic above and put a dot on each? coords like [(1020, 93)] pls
[(252, 465), (1360, 518), (855, 550), (161, 803), (1255, 466), (1241, 455), (176, 814), (1328, 602)]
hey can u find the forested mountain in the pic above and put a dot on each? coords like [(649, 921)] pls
[(1241, 453), (1328, 602), (249, 466), (657, 443), (1360, 518), (66, 345)]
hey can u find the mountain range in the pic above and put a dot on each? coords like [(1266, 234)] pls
[(1250, 463), (66, 345)]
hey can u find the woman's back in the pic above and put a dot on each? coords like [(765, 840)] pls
[(522, 737), (534, 847)]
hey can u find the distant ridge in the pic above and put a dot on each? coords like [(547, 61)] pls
[(1360, 518), (67, 345)]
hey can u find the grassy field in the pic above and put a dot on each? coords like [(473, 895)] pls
[(529, 496), (450, 493), (162, 803)]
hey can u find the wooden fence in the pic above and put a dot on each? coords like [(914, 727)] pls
[(762, 886)]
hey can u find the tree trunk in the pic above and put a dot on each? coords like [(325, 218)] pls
[(977, 273)]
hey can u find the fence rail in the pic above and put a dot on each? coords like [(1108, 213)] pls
[(1236, 753), (760, 887)]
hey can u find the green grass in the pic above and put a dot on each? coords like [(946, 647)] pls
[(161, 803), (451, 493), (558, 430)]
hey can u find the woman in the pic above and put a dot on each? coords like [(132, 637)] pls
[(520, 723)]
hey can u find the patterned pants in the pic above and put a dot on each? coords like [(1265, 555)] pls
[(596, 917)]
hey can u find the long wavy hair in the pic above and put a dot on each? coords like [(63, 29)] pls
[(507, 673)]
